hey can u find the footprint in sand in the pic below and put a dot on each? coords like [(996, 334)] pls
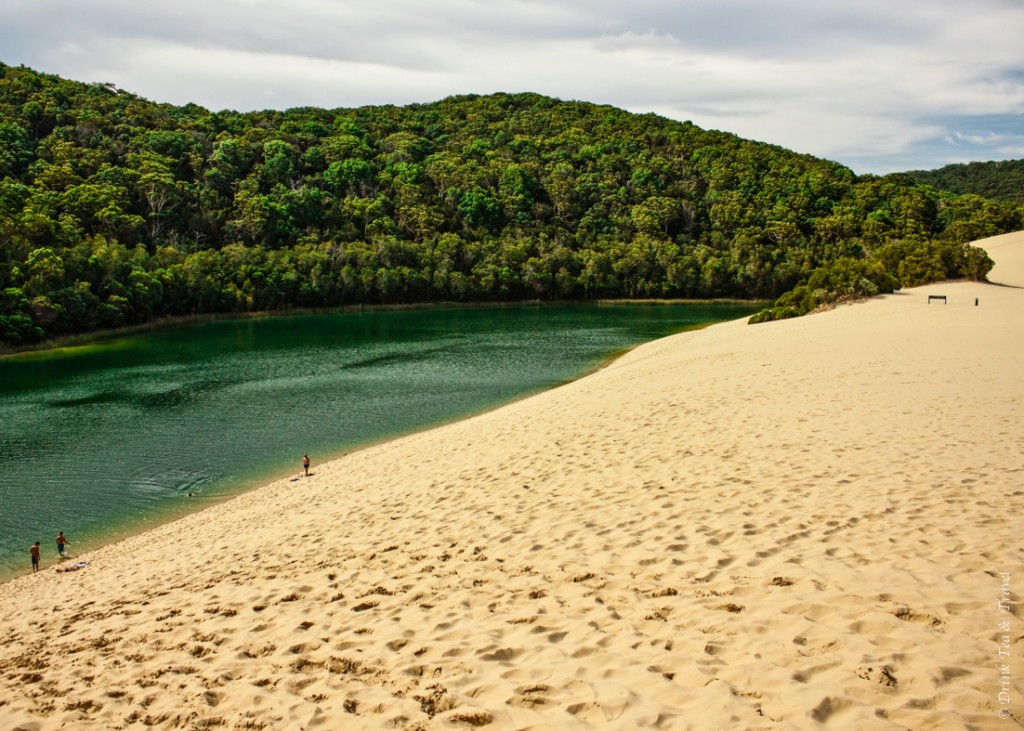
[(530, 696)]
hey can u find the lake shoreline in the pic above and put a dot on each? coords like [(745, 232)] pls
[(316, 384), (171, 514)]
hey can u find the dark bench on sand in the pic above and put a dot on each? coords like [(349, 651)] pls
[(937, 297)]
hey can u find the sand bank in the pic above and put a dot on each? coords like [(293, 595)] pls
[(796, 525)]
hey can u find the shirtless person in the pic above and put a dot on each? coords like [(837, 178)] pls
[(34, 550), (305, 464), (61, 542)]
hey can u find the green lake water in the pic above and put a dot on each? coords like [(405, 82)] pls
[(111, 437)]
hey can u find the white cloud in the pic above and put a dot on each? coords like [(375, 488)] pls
[(861, 83)]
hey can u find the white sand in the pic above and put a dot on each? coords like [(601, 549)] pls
[(796, 525)]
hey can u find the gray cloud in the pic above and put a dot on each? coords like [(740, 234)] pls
[(872, 84)]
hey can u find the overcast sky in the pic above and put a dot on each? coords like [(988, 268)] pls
[(879, 85)]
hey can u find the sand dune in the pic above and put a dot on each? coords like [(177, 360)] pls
[(797, 525)]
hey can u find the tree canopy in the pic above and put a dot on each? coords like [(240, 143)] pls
[(115, 210)]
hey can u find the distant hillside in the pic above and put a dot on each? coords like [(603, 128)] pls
[(116, 210), (1001, 181)]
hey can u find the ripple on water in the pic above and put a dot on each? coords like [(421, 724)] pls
[(157, 487)]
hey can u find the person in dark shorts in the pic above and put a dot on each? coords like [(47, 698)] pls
[(305, 464), (34, 550)]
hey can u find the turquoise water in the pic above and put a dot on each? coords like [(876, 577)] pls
[(111, 437)]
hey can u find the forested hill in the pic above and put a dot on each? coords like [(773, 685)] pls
[(116, 210), (1002, 180)]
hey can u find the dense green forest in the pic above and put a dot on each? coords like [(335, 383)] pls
[(115, 210), (1001, 181)]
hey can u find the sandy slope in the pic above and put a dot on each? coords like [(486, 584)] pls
[(796, 525)]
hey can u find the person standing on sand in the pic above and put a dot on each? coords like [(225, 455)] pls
[(34, 550), (61, 542), (305, 464)]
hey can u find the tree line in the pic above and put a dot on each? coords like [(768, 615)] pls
[(115, 210), (1001, 180)]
